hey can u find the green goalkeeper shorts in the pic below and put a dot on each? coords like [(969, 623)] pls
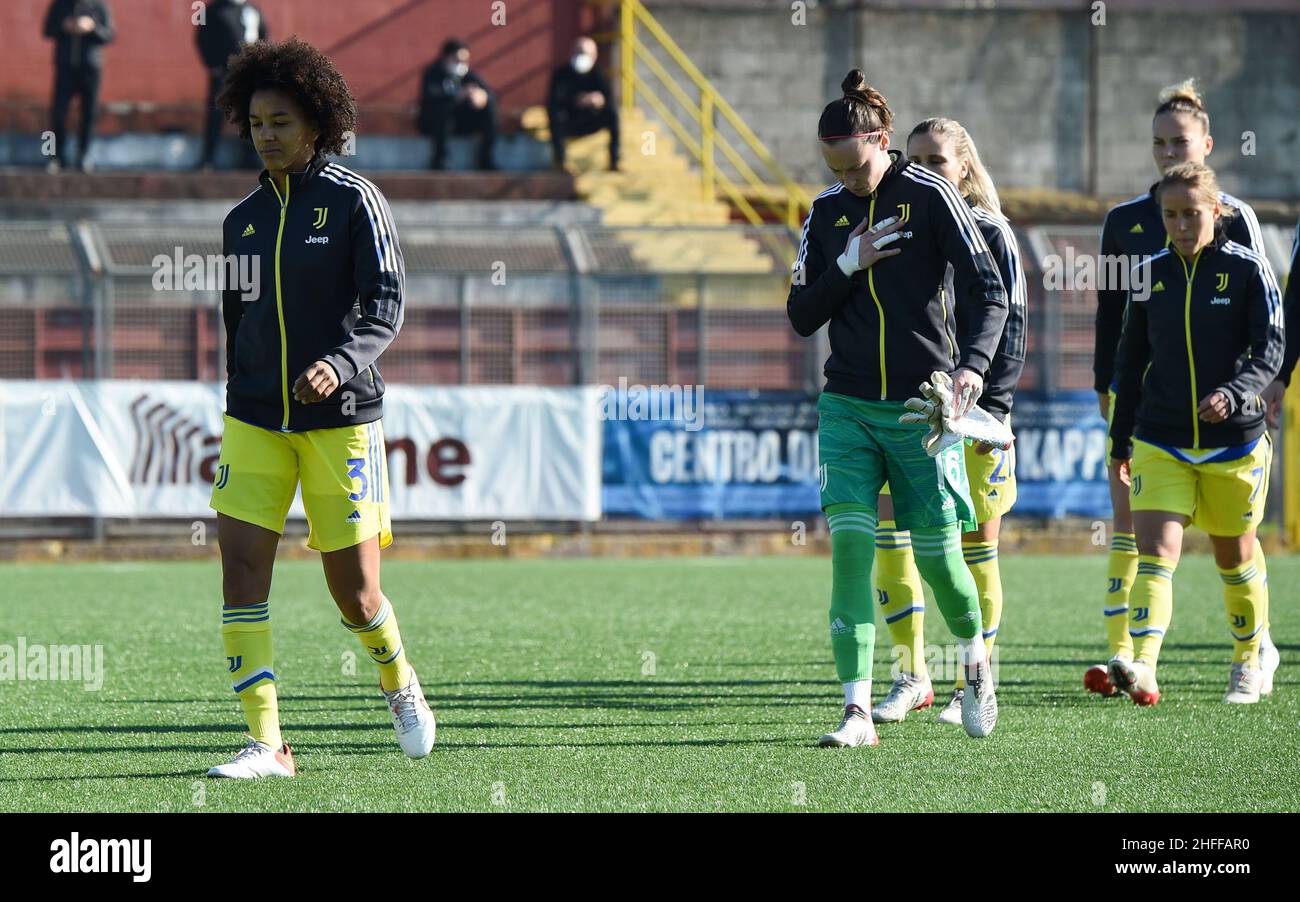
[(861, 446)]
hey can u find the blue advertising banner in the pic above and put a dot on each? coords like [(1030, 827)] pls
[(746, 455), (1060, 455), (754, 455)]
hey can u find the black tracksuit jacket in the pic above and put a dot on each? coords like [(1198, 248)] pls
[(1135, 229), (892, 324), (1214, 322), (79, 51), (1290, 303), (1009, 359), (222, 35), (332, 288)]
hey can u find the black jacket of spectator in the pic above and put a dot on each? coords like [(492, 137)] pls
[(76, 51), (438, 90), (567, 83), (224, 35)]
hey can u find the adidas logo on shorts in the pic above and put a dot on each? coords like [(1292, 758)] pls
[(354, 517)]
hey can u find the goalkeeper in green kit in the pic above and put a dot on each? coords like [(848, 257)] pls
[(875, 249)]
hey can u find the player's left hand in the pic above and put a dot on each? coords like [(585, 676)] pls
[(316, 383), (967, 386), (1214, 407), (1272, 398), (1122, 472), (984, 448)]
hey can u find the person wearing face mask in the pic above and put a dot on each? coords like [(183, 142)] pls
[(79, 29), (455, 100), (228, 26), (579, 102)]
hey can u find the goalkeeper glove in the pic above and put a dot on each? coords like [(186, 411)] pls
[(935, 409)]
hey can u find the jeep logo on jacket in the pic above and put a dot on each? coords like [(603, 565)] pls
[(1212, 323), (332, 286), (891, 325)]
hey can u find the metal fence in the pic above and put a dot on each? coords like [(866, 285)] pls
[(552, 305)]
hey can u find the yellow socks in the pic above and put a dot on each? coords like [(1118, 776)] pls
[(1262, 566), (1246, 600), (1121, 570), (1151, 606), (383, 643), (901, 598), (982, 561), (246, 634)]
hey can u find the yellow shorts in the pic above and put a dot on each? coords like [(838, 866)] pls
[(344, 474), (992, 481), (1224, 499)]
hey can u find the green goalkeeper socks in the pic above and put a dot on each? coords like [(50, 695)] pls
[(852, 617), (939, 559)]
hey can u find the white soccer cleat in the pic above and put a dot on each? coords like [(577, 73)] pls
[(412, 719), (979, 703), (1244, 685), (951, 712), (909, 693), (257, 760), (854, 730), (1269, 659), (1137, 678)]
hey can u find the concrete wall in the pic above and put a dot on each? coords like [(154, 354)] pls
[(380, 46), (1017, 78)]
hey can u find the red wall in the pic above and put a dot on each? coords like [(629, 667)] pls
[(380, 46)]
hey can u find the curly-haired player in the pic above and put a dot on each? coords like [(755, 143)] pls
[(304, 400)]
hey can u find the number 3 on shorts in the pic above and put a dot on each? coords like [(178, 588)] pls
[(356, 470)]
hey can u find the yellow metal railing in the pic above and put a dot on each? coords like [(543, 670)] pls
[(770, 187)]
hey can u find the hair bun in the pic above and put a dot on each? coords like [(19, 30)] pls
[(855, 82), (1183, 92)]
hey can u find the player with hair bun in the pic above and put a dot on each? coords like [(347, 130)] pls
[(871, 263)]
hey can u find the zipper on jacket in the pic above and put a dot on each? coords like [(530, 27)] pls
[(871, 284), (279, 303), (943, 305), (1187, 330)]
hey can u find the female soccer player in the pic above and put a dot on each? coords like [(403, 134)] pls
[(1134, 230), (1201, 341), (1291, 310), (890, 328), (945, 148), (303, 396)]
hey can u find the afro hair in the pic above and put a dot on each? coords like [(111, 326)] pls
[(305, 74)]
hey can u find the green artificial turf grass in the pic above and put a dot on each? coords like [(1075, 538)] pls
[(623, 685)]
